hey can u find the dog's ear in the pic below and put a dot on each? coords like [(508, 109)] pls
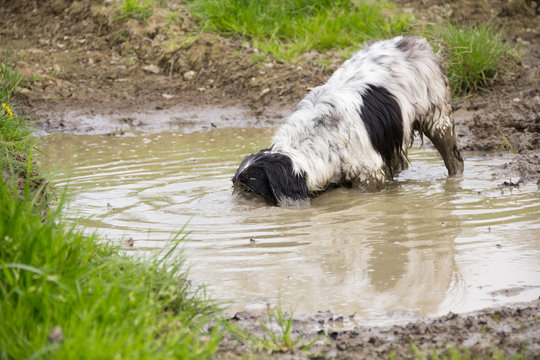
[(289, 189)]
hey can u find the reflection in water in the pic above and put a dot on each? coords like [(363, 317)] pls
[(427, 244)]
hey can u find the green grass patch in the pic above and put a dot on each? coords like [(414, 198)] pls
[(136, 9), (15, 132), (508, 146), (103, 304), (10, 78), (67, 295), (279, 341), (475, 55), (172, 18), (287, 28)]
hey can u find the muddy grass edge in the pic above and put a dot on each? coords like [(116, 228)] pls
[(474, 55), (68, 294)]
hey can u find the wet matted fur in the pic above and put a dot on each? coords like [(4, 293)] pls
[(356, 128)]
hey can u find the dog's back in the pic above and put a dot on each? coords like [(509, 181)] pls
[(358, 126)]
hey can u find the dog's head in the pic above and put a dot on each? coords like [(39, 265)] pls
[(271, 176)]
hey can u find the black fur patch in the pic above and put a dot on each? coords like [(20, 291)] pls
[(406, 44), (384, 122), (271, 176)]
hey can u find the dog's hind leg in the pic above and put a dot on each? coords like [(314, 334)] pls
[(439, 128)]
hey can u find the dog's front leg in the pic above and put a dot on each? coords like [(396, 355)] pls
[(442, 134)]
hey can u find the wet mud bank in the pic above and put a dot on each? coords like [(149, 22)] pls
[(505, 331), (112, 122)]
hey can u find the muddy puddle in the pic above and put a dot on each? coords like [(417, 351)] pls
[(426, 245)]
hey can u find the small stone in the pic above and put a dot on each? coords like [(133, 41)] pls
[(265, 91), (189, 75), (516, 100), (129, 242), (154, 69), (56, 335), (167, 96)]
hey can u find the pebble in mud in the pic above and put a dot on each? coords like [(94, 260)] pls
[(189, 75), (129, 243)]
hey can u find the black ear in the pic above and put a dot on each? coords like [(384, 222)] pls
[(288, 188)]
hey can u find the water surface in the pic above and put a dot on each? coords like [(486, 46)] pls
[(426, 245)]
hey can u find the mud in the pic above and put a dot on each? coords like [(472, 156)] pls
[(78, 55), (88, 72), (505, 331)]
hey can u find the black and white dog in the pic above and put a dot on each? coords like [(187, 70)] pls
[(356, 128)]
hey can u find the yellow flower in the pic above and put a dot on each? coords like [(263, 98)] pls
[(8, 110)]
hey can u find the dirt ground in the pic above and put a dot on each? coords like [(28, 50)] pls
[(88, 71), (504, 331)]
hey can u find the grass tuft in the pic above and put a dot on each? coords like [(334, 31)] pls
[(67, 295), (103, 304), (10, 78), (279, 341), (474, 55), (136, 9), (286, 29), (505, 145), (16, 141)]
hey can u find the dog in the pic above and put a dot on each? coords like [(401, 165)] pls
[(356, 128)]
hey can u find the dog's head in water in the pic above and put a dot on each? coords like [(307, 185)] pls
[(271, 176)]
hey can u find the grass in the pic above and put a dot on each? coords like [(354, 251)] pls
[(16, 141), (279, 341), (10, 78), (105, 304), (286, 29), (141, 9), (474, 55), (506, 145), (136, 9), (172, 18), (67, 295)]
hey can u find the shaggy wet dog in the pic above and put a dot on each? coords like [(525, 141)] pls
[(356, 128)]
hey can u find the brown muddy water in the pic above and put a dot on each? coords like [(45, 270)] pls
[(426, 245)]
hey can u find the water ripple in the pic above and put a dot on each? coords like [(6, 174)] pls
[(426, 245)]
